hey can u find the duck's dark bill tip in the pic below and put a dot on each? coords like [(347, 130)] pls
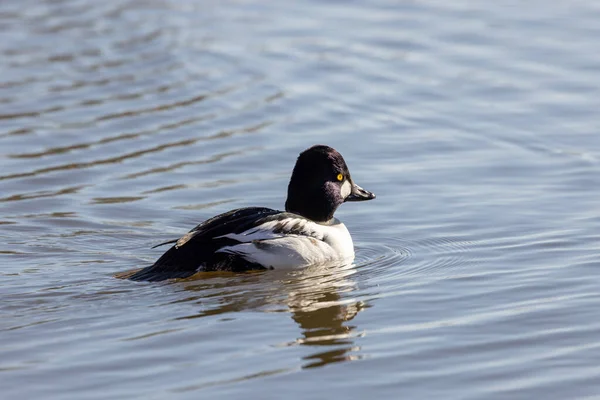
[(360, 194)]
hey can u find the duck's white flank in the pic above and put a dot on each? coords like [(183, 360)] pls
[(293, 243)]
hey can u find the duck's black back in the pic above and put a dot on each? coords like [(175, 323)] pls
[(198, 248)]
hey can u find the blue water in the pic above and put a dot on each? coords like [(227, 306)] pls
[(125, 123)]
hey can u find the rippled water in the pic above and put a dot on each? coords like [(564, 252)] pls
[(125, 123)]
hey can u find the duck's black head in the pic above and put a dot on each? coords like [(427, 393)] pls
[(320, 183)]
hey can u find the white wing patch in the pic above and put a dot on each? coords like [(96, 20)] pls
[(276, 229), (292, 243)]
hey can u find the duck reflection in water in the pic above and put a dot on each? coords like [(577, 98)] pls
[(318, 298)]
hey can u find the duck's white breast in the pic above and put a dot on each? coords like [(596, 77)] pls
[(294, 242)]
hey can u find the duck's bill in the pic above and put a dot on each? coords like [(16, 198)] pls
[(359, 194)]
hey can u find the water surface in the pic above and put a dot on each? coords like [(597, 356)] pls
[(125, 123)]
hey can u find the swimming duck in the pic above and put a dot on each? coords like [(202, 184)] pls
[(251, 238)]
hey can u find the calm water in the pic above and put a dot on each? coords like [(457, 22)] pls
[(125, 123)]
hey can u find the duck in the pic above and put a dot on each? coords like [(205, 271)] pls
[(259, 238)]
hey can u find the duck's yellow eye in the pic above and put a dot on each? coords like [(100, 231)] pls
[(340, 177)]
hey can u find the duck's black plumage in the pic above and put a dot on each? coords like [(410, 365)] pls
[(199, 247)]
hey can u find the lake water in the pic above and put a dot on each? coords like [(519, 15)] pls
[(125, 123)]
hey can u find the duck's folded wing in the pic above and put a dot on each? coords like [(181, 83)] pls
[(282, 241), (198, 247)]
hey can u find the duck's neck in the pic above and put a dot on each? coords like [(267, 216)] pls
[(316, 205)]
